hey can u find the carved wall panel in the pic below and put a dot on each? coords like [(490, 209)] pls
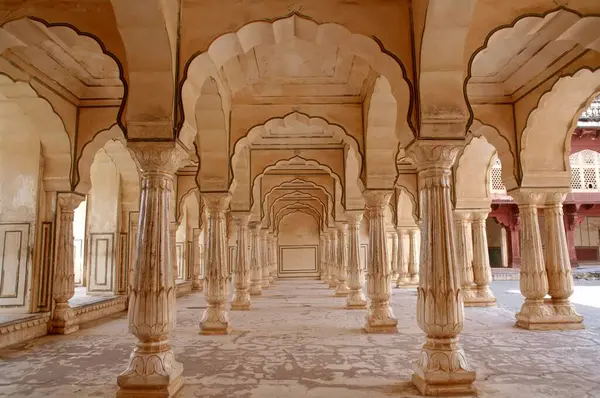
[(14, 264), (101, 263)]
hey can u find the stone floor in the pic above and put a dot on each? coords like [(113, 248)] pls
[(298, 341)]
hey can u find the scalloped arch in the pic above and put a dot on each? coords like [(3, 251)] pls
[(324, 207)]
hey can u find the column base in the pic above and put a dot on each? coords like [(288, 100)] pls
[(150, 374), (442, 369), (265, 283), (255, 289), (63, 320), (479, 296), (271, 279), (241, 301), (549, 314), (341, 289), (197, 285), (215, 320), (380, 318), (333, 283), (356, 300)]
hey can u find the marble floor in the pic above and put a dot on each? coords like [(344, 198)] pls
[(298, 341)]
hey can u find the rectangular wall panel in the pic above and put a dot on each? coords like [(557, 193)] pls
[(101, 267), (180, 254), (14, 262), (298, 261)]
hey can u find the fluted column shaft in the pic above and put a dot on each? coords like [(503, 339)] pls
[(380, 318), (63, 319), (152, 366), (464, 239), (442, 366), (255, 263), (241, 297), (264, 259), (173, 227), (215, 319), (196, 254), (558, 265), (333, 260), (322, 266), (395, 255), (403, 278), (482, 272), (327, 261), (271, 243), (413, 256), (342, 288), (356, 298)]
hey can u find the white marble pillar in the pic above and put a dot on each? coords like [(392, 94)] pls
[(272, 266), (403, 278), (215, 319), (356, 298), (558, 266), (326, 257), (534, 314), (264, 258), (152, 368), (63, 319), (197, 255), (333, 260), (241, 297), (504, 246), (255, 263), (482, 272), (413, 256), (173, 227), (394, 259), (322, 266), (442, 366), (380, 318), (464, 239), (342, 288)]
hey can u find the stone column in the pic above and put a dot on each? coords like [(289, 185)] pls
[(326, 258), (413, 257), (482, 272), (571, 221), (322, 269), (463, 240), (272, 271), (558, 266), (255, 263), (152, 369), (196, 281), (380, 318), (342, 288), (442, 367), (264, 258), (63, 319), (215, 319), (395, 255), (173, 227), (503, 246), (333, 260), (403, 254), (534, 313), (241, 297), (356, 298)]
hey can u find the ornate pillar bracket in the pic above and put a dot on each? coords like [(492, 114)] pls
[(356, 298), (342, 288), (63, 319), (333, 260), (534, 314), (558, 267), (380, 318), (442, 368), (152, 368), (255, 261), (196, 281), (241, 297), (215, 319), (464, 255), (482, 272)]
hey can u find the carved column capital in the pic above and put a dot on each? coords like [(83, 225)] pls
[(69, 201), (354, 217), (241, 218), (433, 154), (480, 215), (342, 227), (164, 156), (216, 201), (377, 198), (526, 197)]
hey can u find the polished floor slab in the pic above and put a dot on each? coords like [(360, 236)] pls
[(299, 341)]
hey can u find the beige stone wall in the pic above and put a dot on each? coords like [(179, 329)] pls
[(298, 246), (20, 181)]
